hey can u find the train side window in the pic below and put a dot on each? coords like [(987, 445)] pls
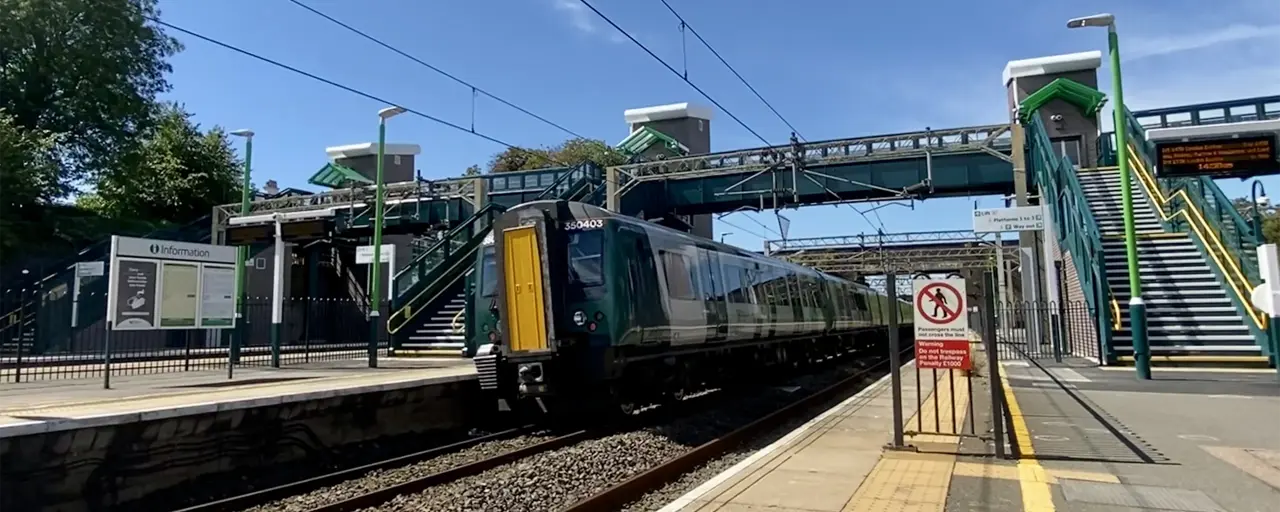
[(677, 276), (732, 281), (711, 285)]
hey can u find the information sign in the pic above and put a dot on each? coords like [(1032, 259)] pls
[(941, 324), (1219, 158), (364, 254), (163, 284), (999, 220)]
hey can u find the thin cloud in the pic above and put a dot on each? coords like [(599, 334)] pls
[(580, 17), (1139, 47)]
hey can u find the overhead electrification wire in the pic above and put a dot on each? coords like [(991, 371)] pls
[(349, 89), (474, 88), (704, 42), (673, 70)]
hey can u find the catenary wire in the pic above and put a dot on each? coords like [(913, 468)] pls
[(383, 44), (347, 88), (731, 68), (674, 71)]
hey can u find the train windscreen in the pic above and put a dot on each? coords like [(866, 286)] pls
[(488, 274), (586, 258)]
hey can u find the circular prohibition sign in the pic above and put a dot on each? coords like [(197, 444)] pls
[(949, 312)]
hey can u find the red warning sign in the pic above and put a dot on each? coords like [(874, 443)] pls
[(943, 355), (946, 303)]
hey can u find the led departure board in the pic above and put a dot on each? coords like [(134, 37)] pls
[(1219, 158)]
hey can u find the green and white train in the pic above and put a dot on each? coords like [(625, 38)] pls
[(576, 304)]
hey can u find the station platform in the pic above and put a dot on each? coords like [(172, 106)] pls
[(154, 440), (57, 405), (1082, 439)]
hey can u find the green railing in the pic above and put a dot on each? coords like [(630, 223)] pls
[(446, 249), (423, 280), (1198, 206), (1075, 227)]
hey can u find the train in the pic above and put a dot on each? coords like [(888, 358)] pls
[(578, 306)]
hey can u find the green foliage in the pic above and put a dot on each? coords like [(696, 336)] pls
[(1270, 220), (177, 174), (473, 170), (86, 70), (569, 153), (29, 168)]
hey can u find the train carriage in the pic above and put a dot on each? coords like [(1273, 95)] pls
[(575, 303)]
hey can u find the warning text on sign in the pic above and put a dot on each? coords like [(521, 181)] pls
[(942, 354)]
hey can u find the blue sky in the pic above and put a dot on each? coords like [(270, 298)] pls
[(835, 69)]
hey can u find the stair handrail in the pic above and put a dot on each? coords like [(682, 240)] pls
[(1077, 226), (399, 287), (1180, 200)]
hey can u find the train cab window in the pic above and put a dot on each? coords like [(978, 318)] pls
[(586, 257), (677, 276), (488, 273)]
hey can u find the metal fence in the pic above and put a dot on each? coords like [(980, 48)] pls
[(41, 342), (1046, 329)]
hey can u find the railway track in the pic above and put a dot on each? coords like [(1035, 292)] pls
[(583, 470)]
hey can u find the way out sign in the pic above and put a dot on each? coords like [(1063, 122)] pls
[(941, 323)]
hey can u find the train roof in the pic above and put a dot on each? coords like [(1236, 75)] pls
[(588, 211)]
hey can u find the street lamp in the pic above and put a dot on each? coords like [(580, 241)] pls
[(1137, 308), (375, 294), (242, 252), (722, 235), (1260, 201)]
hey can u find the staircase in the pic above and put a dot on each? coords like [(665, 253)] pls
[(437, 331), (1188, 309)]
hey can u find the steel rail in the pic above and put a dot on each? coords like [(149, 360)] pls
[(381, 496), (270, 494)]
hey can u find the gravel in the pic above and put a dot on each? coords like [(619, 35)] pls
[(379, 479), (554, 480)]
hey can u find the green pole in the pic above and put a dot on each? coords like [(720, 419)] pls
[(1137, 309), (242, 253), (375, 295)]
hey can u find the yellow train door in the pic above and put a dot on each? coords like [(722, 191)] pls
[(522, 263)]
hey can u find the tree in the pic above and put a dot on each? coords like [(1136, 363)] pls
[(29, 166), (87, 71), (178, 174), (569, 153), (474, 170)]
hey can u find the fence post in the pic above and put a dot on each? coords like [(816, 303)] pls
[(993, 363), (895, 358)]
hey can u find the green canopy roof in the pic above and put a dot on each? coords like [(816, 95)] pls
[(1087, 99), (641, 140), (337, 176)]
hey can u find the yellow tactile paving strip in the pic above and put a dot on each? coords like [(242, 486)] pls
[(907, 481)]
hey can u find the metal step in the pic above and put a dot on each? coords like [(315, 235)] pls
[(1187, 301), (1234, 348), (1207, 339), (437, 337), (432, 346), (1153, 327)]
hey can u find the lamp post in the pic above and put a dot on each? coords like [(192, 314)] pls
[(1260, 201), (242, 252), (722, 235), (375, 294), (1137, 308)]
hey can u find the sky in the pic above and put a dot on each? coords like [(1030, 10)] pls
[(834, 69)]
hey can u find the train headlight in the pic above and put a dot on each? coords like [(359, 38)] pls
[(579, 317)]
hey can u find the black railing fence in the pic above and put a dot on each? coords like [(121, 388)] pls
[(42, 342), (1045, 329)]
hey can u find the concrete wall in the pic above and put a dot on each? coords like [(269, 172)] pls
[(695, 134), (395, 168), (1074, 123), (148, 465)]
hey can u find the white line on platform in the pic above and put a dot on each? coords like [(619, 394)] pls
[(715, 481)]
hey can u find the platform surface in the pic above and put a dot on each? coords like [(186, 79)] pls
[(1082, 439), (44, 406)]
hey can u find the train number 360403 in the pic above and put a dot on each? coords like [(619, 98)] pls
[(578, 225)]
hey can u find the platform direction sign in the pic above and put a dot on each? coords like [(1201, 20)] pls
[(941, 324)]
